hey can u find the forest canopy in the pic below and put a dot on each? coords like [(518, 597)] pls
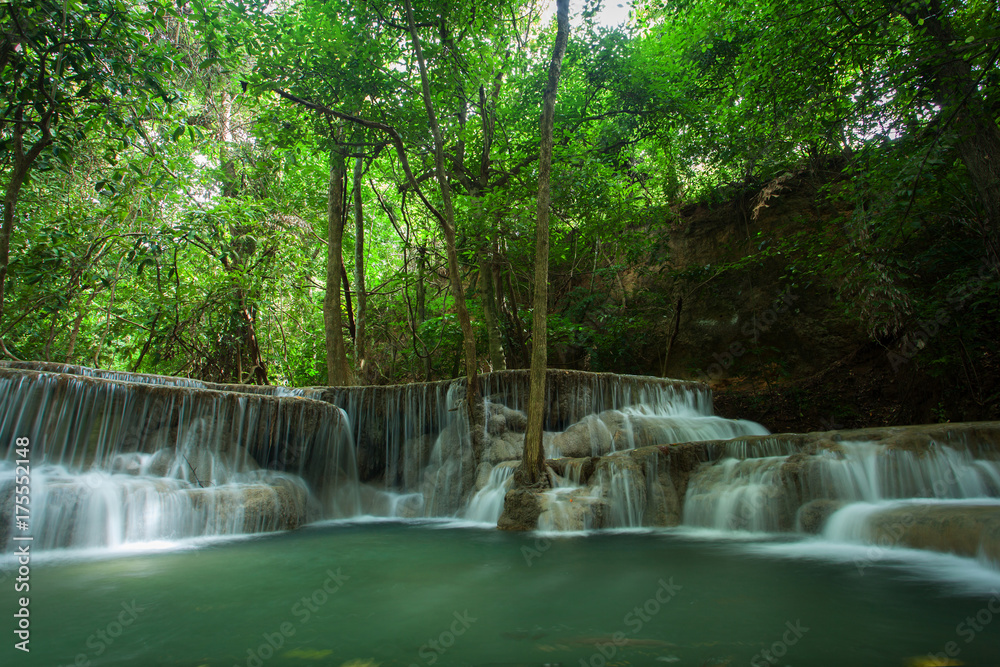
[(308, 192)]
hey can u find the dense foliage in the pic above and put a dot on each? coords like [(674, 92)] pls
[(172, 169)]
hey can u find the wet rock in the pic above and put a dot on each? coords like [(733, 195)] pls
[(259, 507), (500, 419), (127, 464), (963, 529), (160, 463), (588, 437), (507, 447), (517, 420), (812, 516), (521, 509), (578, 471), (496, 425), (576, 509), (794, 471)]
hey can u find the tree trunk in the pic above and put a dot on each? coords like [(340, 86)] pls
[(487, 281), (248, 322), (18, 175), (77, 323), (359, 272), (520, 357), (448, 228), (532, 469), (337, 370), (347, 298), (422, 306)]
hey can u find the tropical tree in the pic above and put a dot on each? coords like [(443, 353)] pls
[(70, 69)]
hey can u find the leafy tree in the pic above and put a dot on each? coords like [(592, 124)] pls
[(70, 69)]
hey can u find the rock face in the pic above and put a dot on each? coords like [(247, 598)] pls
[(752, 308), (813, 515)]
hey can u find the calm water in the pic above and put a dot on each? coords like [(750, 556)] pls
[(441, 594)]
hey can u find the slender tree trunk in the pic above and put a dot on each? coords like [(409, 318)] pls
[(337, 369), (360, 340), (107, 322), (347, 298), (532, 469), (248, 319), (11, 194), (77, 323), (518, 337), (148, 343), (422, 305), (448, 227), (487, 281)]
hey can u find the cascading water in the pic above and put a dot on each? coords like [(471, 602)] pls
[(487, 504), (114, 462), (935, 496), (119, 458), (124, 457), (771, 493), (416, 456)]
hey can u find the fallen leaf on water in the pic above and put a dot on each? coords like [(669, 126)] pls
[(368, 662), (621, 641), (308, 654), (933, 661)]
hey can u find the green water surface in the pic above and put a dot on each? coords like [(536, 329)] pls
[(395, 594)]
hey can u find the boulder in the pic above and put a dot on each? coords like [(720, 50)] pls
[(812, 516), (521, 509)]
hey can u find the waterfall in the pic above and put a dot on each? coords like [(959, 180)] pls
[(119, 458), (124, 458), (487, 504), (929, 495), (739, 494), (771, 493), (114, 461), (414, 441)]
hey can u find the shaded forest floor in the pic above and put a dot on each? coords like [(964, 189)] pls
[(860, 391)]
